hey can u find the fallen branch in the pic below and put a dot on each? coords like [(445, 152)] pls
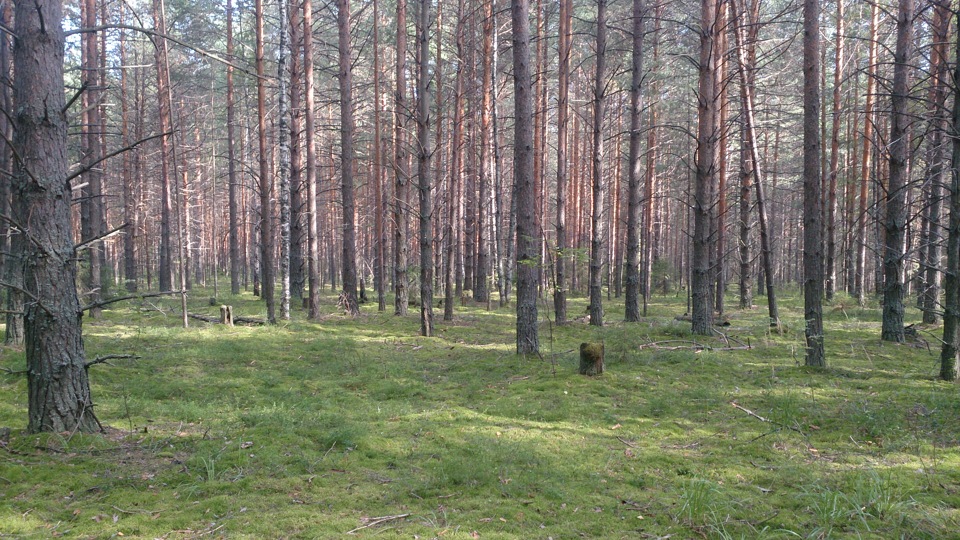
[(767, 420), (103, 303), (104, 359), (378, 521), (216, 320), (9, 371)]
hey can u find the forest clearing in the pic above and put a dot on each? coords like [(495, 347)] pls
[(313, 429)]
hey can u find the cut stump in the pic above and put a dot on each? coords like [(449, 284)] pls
[(591, 359)]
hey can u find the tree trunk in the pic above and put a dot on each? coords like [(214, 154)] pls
[(936, 171), (859, 288), (313, 216), (632, 294), (349, 262), (950, 351), (91, 205), (401, 172), (380, 240), (563, 105), (896, 210), (284, 162), (298, 212), (58, 387), (812, 199), (596, 215), (701, 282), (831, 213), (266, 183), (528, 340), (166, 198), (425, 184)]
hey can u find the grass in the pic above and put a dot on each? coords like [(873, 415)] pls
[(312, 429)]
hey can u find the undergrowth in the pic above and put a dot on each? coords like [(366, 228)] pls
[(312, 429)]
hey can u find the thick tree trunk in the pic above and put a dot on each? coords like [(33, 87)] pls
[(632, 294), (597, 208), (896, 208), (812, 198), (425, 184), (563, 105), (528, 340), (57, 383), (349, 257)]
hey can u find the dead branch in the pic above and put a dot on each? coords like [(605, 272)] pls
[(131, 146), (28, 294), (101, 238), (122, 298), (767, 420), (373, 522), (104, 359), (9, 371)]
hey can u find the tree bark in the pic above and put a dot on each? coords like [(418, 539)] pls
[(283, 159), (950, 351), (425, 184), (266, 183), (812, 198), (401, 171), (349, 255), (528, 340), (701, 282), (896, 211), (596, 215), (58, 387), (313, 217), (936, 170), (563, 137), (859, 288), (632, 293)]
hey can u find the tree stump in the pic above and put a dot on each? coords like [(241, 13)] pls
[(213, 301), (591, 359), (226, 315)]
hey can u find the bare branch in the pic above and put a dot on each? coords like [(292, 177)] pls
[(123, 298), (103, 359), (101, 238), (115, 153)]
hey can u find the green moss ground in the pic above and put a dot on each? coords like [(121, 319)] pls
[(309, 429)]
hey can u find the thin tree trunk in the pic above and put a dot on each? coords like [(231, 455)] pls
[(859, 288), (812, 198), (232, 180), (380, 240), (528, 340), (650, 184), (401, 172), (284, 162), (936, 171), (166, 199), (596, 215), (313, 216), (425, 184), (563, 105), (838, 71), (349, 261), (298, 212), (632, 310), (91, 210)]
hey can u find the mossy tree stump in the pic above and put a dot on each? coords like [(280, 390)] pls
[(591, 359)]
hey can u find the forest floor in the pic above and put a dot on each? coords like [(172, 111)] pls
[(342, 427)]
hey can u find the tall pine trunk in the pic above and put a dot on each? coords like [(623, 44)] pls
[(528, 340), (632, 293), (349, 252), (812, 198)]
